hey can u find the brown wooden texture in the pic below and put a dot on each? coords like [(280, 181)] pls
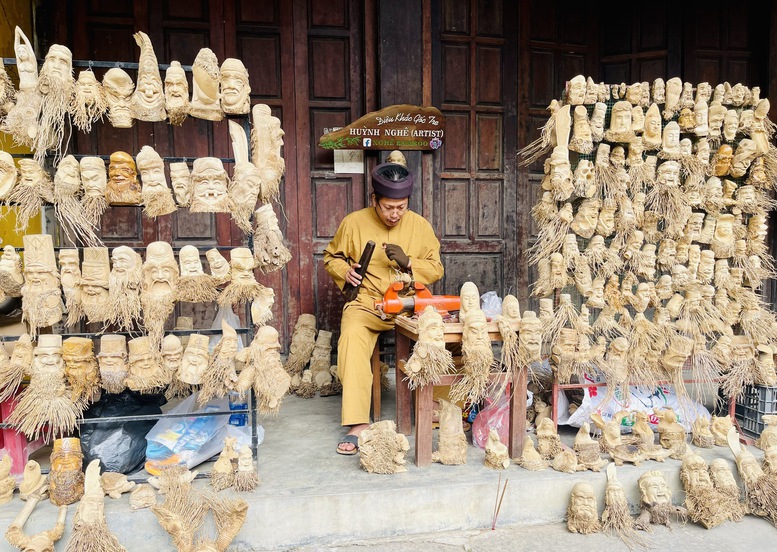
[(474, 210), (329, 92), (558, 40)]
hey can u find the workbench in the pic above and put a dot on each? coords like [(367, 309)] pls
[(406, 331)]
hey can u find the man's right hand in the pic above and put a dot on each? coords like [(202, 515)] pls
[(353, 277)]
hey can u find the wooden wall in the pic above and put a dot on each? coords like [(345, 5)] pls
[(492, 66)]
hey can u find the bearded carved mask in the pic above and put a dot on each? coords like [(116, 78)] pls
[(118, 88), (209, 186), (235, 89)]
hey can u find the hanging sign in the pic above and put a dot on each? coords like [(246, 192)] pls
[(400, 127)]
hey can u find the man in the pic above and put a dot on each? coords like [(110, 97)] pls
[(408, 245)]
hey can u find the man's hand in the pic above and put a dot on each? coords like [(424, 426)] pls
[(353, 277), (395, 253)]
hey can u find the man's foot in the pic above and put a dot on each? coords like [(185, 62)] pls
[(347, 445)]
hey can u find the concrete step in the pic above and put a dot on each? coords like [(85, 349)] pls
[(309, 494)]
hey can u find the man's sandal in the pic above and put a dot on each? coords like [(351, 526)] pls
[(348, 439)]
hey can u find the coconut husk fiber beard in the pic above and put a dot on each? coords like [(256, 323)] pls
[(473, 386), (200, 288), (45, 408), (93, 208), (87, 108), (54, 107), (428, 365), (124, 298), (41, 309), (156, 310), (221, 374), (158, 202), (13, 370), (238, 292), (33, 188)]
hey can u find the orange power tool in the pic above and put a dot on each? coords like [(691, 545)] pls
[(394, 304)]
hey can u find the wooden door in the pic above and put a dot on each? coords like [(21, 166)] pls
[(558, 40), (329, 62), (474, 209)]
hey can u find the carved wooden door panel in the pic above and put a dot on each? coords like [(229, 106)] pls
[(475, 213), (329, 86)]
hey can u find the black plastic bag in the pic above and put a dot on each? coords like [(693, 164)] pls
[(120, 446)]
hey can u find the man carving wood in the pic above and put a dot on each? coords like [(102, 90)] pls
[(406, 243)]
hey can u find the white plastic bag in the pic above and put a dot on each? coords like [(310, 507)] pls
[(227, 314), (643, 400), (190, 440), (491, 304)]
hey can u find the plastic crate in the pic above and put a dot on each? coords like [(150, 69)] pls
[(756, 402)]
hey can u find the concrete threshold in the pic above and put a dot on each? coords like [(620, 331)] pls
[(312, 495)]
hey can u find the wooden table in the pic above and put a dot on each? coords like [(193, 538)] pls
[(406, 331)]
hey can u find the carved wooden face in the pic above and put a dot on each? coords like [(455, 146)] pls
[(582, 502), (67, 180), (654, 489), (431, 329), (193, 365), (219, 267), (48, 360), (160, 274), (746, 152), (191, 265), (7, 175), (113, 366), (668, 173), (118, 88), (123, 175), (234, 87), (176, 88), (620, 120), (93, 176), (152, 170), (58, 65), (530, 336), (209, 187), (181, 183), (476, 331), (671, 138), (730, 125)]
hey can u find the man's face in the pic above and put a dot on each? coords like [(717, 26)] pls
[(121, 173), (112, 363), (390, 211), (242, 270), (93, 294), (622, 120), (584, 502), (195, 361), (161, 275), (49, 359)]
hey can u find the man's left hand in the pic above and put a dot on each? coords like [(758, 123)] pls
[(395, 253)]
